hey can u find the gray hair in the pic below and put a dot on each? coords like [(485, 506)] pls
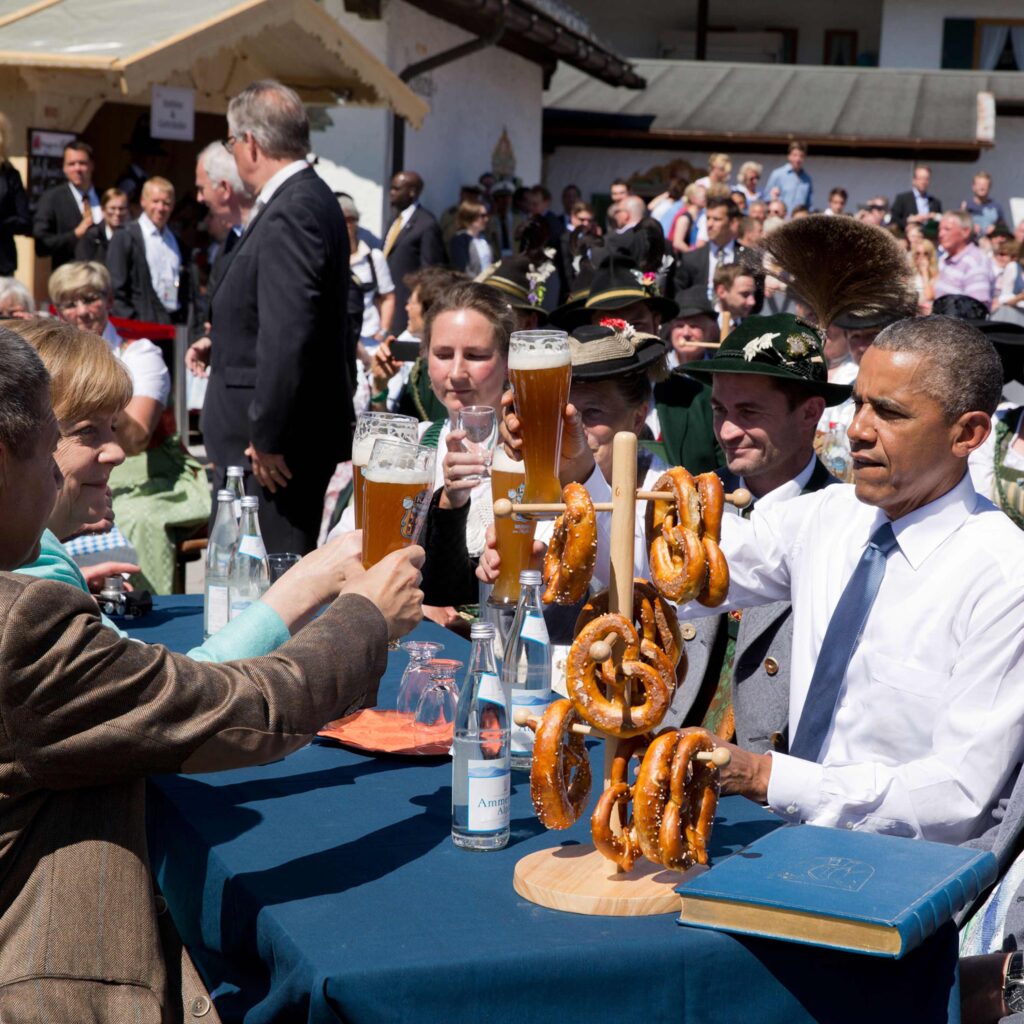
[(963, 372), (275, 117), (24, 394), (220, 165), (11, 287), (348, 207), (962, 217)]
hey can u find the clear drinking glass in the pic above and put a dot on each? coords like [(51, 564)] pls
[(280, 562), (480, 422), (417, 675), (434, 723), (397, 485), (369, 427)]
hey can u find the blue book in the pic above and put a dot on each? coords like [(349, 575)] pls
[(857, 891)]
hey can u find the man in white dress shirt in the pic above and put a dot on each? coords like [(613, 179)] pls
[(925, 723), (148, 267)]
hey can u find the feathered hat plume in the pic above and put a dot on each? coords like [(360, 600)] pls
[(839, 265)]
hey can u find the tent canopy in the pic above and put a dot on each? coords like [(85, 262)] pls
[(115, 50)]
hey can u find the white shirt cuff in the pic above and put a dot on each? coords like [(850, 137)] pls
[(794, 787)]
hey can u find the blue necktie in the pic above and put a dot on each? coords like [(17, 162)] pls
[(840, 641)]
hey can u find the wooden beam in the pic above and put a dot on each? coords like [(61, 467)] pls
[(27, 11)]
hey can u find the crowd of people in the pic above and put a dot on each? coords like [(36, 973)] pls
[(864, 672)]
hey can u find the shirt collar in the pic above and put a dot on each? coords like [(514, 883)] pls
[(790, 489), (148, 226), (922, 531), (274, 182), (80, 195), (407, 213)]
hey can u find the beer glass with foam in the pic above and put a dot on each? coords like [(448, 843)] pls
[(398, 482), (514, 534), (540, 371), (369, 427)]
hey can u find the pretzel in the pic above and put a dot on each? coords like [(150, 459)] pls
[(675, 798), (622, 846), (677, 558), (569, 562), (642, 662), (653, 616), (712, 502), (560, 769)]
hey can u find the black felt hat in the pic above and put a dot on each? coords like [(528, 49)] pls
[(521, 283), (611, 348), (782, 346)]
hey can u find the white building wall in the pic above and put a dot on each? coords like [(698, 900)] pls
[(470, 100), (912, 29), (863, 176)]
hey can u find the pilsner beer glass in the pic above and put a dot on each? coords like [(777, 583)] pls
[(370, 426), (540, 372), (398, 482), (514, 533)]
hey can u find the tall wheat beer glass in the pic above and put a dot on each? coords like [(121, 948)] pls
[(514, 533), (397, 484), (540, 372), (369, 427)]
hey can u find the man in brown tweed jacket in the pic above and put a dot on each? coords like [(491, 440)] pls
[(85, 715)]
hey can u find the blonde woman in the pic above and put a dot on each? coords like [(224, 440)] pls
[(719, 169), (683, 235), (748, 181), (926, 273), (15, 218)]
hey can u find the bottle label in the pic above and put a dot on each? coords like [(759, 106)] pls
[(490, 786), (252, 546), (216, 608), (534, 628), (491, 690), (536, 703)]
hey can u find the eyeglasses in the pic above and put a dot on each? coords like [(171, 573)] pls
[(874, 206), (229, 142), (86, 300)]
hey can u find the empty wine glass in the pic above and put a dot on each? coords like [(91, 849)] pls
[(434, 724), (417, 675), (480, 422)]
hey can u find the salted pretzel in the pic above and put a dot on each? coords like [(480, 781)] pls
[(569, 562), (654, 618), (619, 846), (712, 503), (642, 665), (560, 769), (677, 558), (675, 798)]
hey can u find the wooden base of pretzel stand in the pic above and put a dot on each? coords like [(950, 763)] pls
[(577, 878)]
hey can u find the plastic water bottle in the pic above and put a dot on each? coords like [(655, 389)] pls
[(837, 451), (250, 571), (526, 666), (219, 551), (481, 777), (235, 483)]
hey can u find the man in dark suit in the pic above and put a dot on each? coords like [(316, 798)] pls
[(279, 389), (696, 268), (149, 266), (65, 212), (916, 206), (412, 241)]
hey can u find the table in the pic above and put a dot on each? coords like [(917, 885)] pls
[(325, 888)]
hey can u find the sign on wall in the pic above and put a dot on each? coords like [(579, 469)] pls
[(172, 113), (45, 161)]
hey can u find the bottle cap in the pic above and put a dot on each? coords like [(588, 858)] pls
[(236, 471), (249, 502), (481, 631), (225, 495), (530, 578)]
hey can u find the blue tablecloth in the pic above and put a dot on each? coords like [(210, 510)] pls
[(325, 887)]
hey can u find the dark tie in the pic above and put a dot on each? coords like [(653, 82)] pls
[(230, 240), (840, 641)]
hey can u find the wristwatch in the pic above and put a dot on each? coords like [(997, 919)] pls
[(1013, 985)]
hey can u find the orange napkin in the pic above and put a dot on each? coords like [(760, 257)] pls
[(388, 732)]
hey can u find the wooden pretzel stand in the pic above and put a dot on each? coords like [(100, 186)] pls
[(576, 877)]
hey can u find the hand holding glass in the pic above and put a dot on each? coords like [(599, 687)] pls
[(480, 424)]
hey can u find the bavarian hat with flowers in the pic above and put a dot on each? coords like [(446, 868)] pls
[(618, 282), (783, 346), (521, 283), (611, 348)]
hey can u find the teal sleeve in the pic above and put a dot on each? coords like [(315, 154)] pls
[(257, 631)]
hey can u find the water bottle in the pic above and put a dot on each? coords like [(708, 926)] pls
[(526, 666), (235, 483), (223, 540), (250, 572), (837, 451), (481, 777)]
